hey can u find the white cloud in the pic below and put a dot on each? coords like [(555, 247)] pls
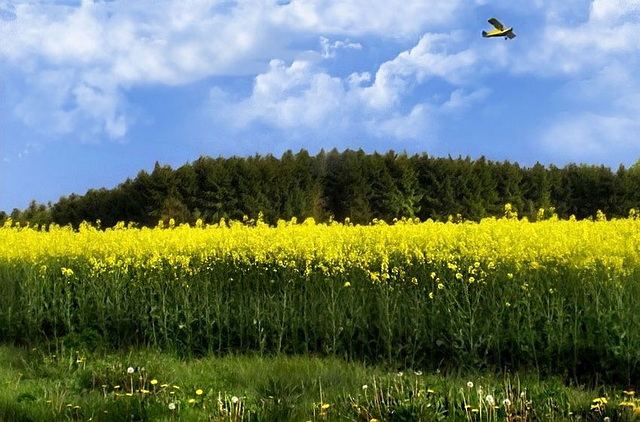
[(303, 97), (360, 17), (587, 135), (429, 58), (122, 44), (329, 50)]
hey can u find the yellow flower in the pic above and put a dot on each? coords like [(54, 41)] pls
[(154, 381), (199, 392), (325, 406), (347, 284)]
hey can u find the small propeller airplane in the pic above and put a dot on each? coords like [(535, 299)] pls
[(500, 31)]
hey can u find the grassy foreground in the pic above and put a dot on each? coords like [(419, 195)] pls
[(37, 385)]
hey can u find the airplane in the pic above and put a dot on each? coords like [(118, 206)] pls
[(500, 31)]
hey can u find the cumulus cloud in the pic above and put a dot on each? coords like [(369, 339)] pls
[(123, 44), (302, 96)]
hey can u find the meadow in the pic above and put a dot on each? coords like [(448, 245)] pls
[(555, 298)]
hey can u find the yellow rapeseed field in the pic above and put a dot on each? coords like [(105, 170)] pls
[(334, 247)]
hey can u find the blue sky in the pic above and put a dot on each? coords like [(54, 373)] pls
[(94, 91)]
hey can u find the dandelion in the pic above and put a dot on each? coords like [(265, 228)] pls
[(364, 387), (325, 406), (154, 381), (506, 402), (629, 393), (440, 286), (347, 284), (507, 304), (130, 370), (199, 392), (172, 406), (489, 399), (191, 401), (470, 384), (234, 399), (431, 295)]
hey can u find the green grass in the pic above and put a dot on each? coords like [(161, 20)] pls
[(83, 385), (559, 320)]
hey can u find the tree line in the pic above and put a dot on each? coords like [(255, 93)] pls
[(349, 184)]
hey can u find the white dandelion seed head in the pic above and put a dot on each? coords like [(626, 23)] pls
[(470, 384), (234, 399)]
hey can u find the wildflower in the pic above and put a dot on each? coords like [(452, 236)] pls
[(440, 286), (234, 400), (130, 370), (400, 373), (172, 406), (506, 402), (418, 373), (154, 381), (325, 406), (507, 304), (191, 401), (364, 387), (433, 275), (470, 384), (347, 284), (629, 393), (489, 399), (430, 295), (199, 392)]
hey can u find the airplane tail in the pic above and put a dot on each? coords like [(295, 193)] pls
[(484, 33)]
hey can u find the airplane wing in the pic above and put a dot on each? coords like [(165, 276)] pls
[(511, 35), (495, 22)]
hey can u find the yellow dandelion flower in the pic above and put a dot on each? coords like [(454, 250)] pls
[(199, 392)]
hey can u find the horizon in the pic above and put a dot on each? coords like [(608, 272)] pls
[(94, 92)]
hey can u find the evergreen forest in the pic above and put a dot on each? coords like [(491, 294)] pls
[(344, 185)]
